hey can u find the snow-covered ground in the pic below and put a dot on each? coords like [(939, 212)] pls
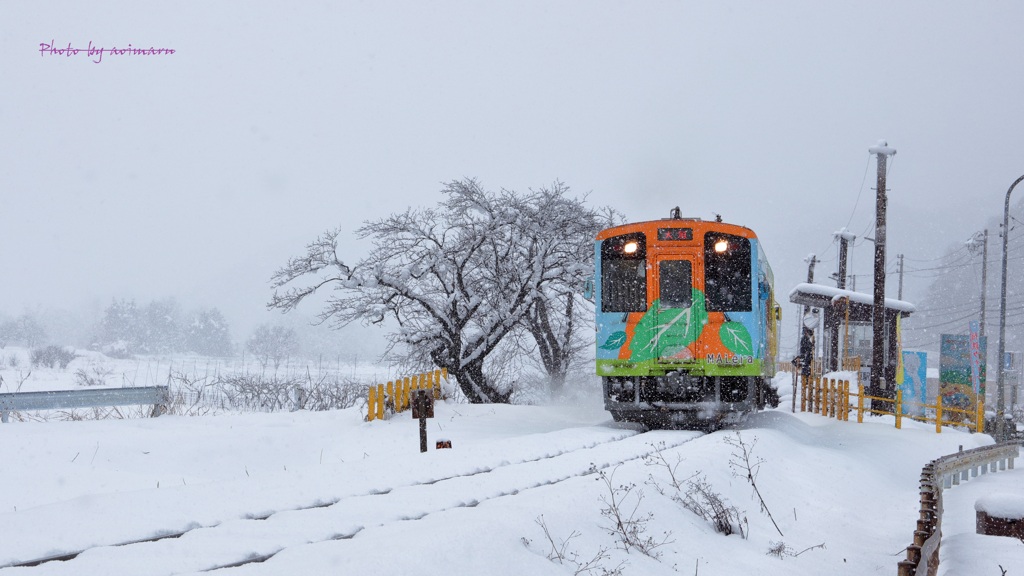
[(325, 492)]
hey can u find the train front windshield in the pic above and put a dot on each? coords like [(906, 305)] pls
[(624, 274), (727, 273)]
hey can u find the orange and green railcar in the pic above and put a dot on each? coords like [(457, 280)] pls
[(686, 322)]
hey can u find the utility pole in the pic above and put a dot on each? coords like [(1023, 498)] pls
[(845, 238), (972, 245), (879, 385), (811, 261), (844, 243), (984, 282), (899, 294)]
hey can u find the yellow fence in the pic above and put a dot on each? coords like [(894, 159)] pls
[(832, 398), (394, 396)]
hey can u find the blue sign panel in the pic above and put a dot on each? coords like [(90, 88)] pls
[(915, 382)]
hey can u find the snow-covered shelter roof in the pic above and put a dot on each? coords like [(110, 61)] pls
[(820, 296)]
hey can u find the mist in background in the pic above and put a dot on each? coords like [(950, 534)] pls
[(197, 174)]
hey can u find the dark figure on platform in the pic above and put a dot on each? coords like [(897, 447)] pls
[(806, 351)]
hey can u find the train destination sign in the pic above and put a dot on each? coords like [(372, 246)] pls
[(677, 234)]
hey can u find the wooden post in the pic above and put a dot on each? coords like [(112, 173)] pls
[(793, 395), (860, 403), (421, 397), (980, 421), (391, 396), (371, 399), (803, 393), (846, 400), (899, 408), (380, 401), (423, 408), (938, 414)]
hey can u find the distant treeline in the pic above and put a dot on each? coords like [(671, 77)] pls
[(126, 328)]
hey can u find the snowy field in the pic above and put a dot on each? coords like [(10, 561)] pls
[(325, 492)]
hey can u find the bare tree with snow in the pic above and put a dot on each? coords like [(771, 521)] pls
[(457, 278), (559, 319), (272, 344)]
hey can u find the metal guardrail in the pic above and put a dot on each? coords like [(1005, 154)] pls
[(942, 473), (158, 396)]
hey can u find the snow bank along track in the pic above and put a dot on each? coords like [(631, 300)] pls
[(159, 542)]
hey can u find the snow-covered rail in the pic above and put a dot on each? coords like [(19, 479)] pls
[(946, 472), (161, 544)]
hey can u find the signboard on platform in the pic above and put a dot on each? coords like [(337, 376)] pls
[(915, 382), (955, 371)]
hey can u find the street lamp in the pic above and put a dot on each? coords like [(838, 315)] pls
[(1000, 382)]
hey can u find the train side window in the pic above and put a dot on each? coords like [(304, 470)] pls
[(727, 273), (676, 283)]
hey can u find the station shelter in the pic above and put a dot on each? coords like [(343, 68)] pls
[(846, 332)]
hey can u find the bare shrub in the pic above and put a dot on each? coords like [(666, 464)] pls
[(745, 465), (98, 377), (780, 550), (627, 524), (657, 459), (328, 392), (702, 500), (560, 553), (51, 356), (260, 392), (193, 394), (694, 493), (22, 377)]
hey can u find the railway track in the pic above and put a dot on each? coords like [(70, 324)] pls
[(207, 545)]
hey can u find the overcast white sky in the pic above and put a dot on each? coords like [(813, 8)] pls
[(197, 174)]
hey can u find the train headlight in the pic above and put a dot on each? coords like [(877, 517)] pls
[(721, 246), (630, 248)]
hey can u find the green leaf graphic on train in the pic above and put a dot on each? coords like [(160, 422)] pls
[(615, 341), (664, 332), (736, 338)]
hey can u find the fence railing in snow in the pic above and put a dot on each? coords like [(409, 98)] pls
[(834, 398), (394, 396), (157, 396), (943, 473)]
